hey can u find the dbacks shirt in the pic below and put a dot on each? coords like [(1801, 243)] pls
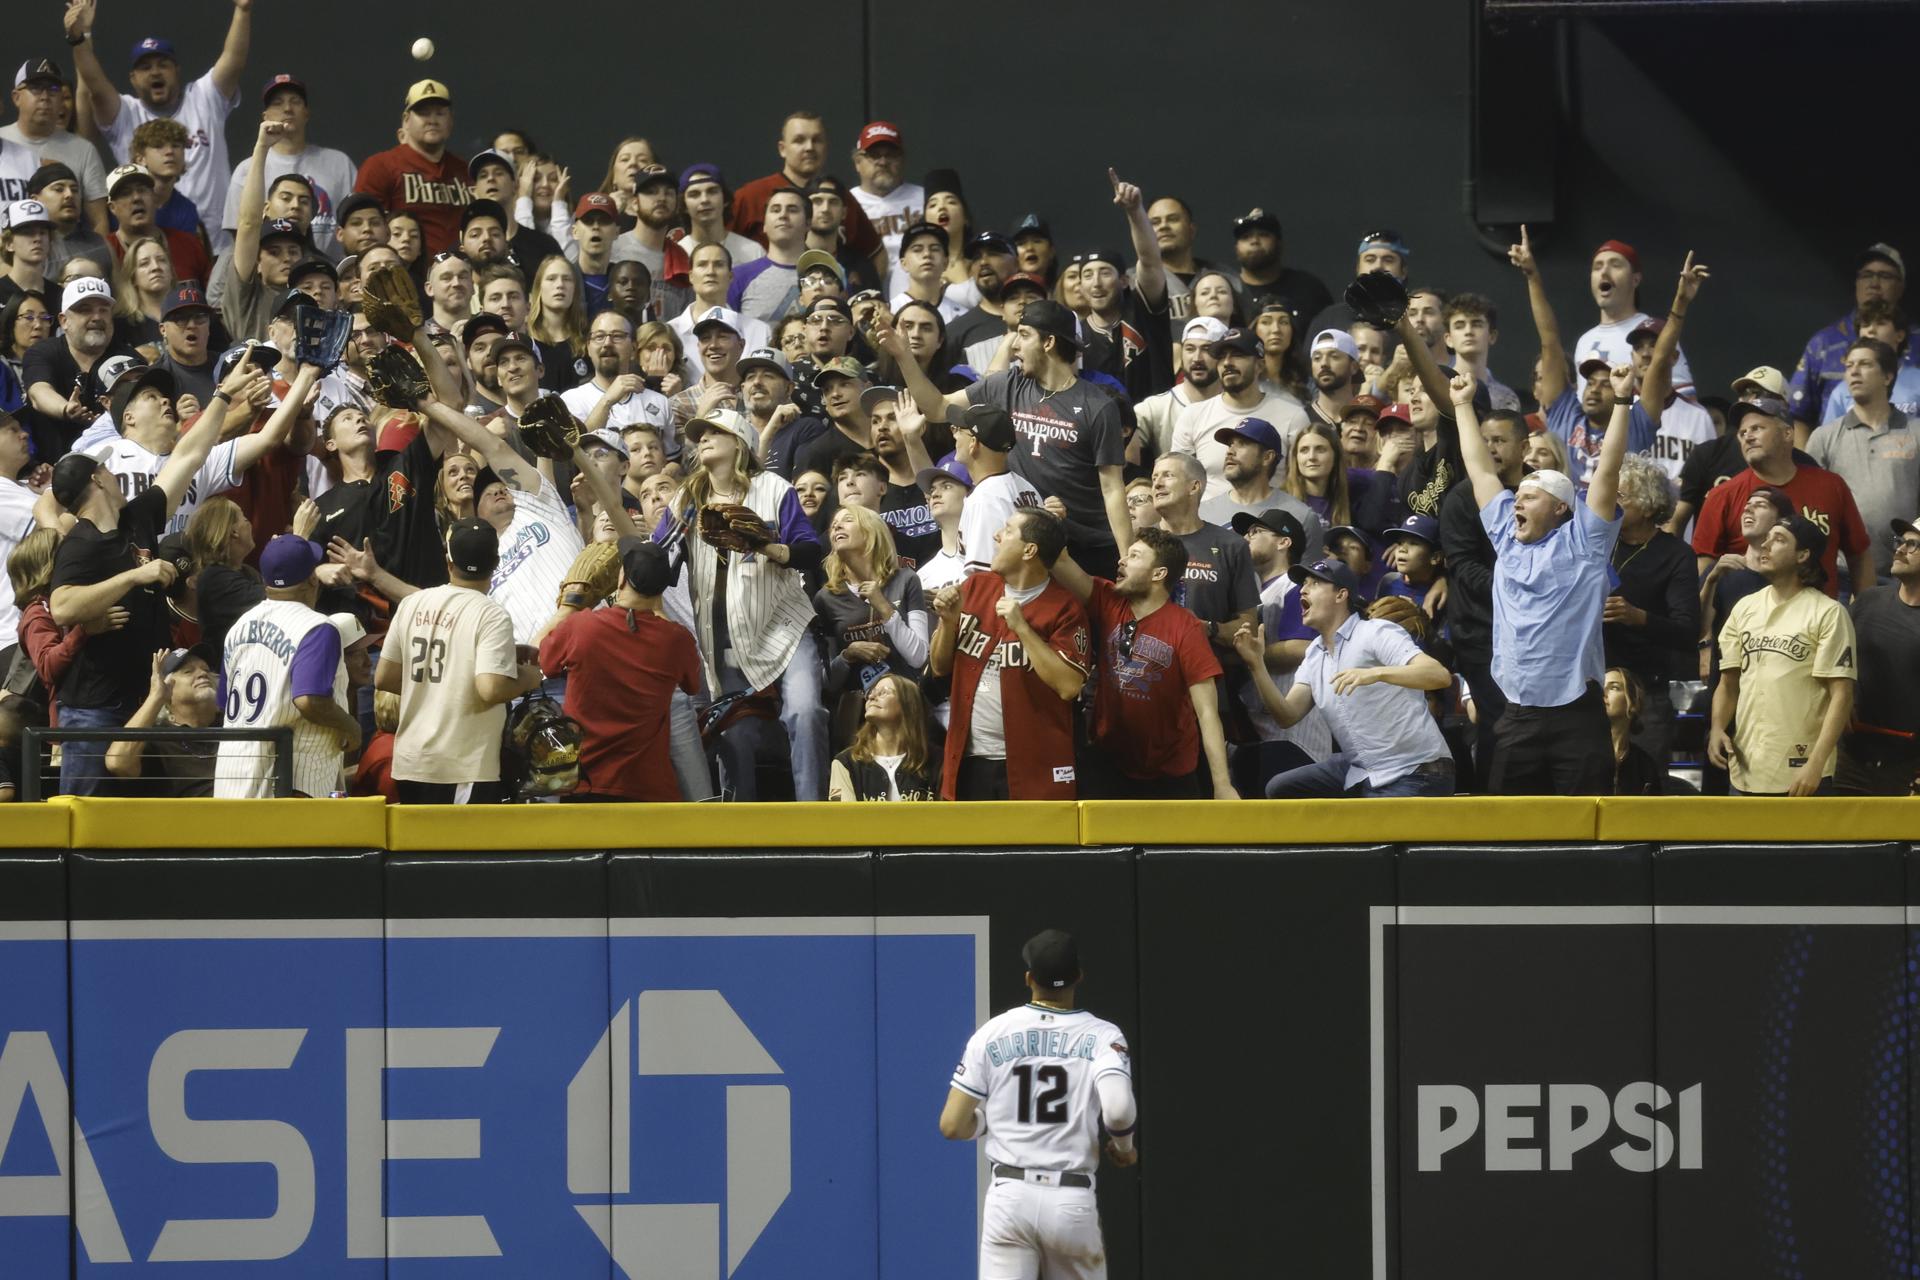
[(1036, 724), (434, 191), (1143, 714)]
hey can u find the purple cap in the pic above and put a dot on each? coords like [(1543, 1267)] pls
[(149, 47), (1258, 430), (694, 172), (1425, 528), (1329, 571), (951, 469), (290, 560)]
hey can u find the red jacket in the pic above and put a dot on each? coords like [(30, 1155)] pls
[(1037, 722)]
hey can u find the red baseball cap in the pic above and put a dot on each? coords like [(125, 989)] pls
[(1621, 247), (879, 131), (596, 202)]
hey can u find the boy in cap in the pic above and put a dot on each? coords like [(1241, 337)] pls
[(26, 243), (283, 665), (1413, 548)]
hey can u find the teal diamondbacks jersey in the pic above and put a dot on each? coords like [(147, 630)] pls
[(1035, 1068)]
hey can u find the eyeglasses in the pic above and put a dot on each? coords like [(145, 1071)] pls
[(445, 254), (1908, 546), (1884, 277)]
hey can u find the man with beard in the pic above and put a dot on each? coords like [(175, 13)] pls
[(1381, 250), (347, 383), (1881, 753), (891, 205), (1174, 232), (1880, 275), (1033, 248), (202, 106), (703, 195), (419, 175), (483, 233), (61, 372), (766, 393), (1157, 413), (760, 289), (477, 340), (716, 335), (56, 187), (992, 261), (449, 291), (1334, 362), (711, 275), (36, 138), (186, 323), (1239, 356), (803, 153), (493, 177), (1425, 308), (657, 209), (899, 440), (992, 353), (839, 384), (1257, 244), (1614, 280), (617, 396), (1253, 455)]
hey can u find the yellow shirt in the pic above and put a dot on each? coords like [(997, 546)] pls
[(1782, 650)]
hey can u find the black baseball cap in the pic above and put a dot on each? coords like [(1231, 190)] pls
[(1812, 539), (48, 174), (483, 208), (131, 383), (473, 548), (355, 203), (982, 241), (1273, 520), (1245, 341), (991, 426), (1334, 572), (1045, 316), (71, 476), (313, 266), (645, 564), (281, 229), (479, 326), (484, 158), (1032, 227), (921, 230), (1053, 958)]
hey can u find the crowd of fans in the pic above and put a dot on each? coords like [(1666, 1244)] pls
[(1036, 520)]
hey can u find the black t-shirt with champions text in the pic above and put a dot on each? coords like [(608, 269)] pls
[(113, 668), (1064, 438), (1219, 582)]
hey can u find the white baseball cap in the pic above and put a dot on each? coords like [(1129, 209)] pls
[(83, 288), (1339, 339), (728, 420), (27, 213), (1205, 328), (719, 315), (606, 437), (350, 629), (1556, 484)]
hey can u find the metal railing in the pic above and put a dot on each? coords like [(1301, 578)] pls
[(35, 740)]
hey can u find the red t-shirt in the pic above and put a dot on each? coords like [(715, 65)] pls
[(749, 215), (1821, 497), (434, 191), (190, 260), (1038, 722), (374, 774), (622, 668), (1142, 713)]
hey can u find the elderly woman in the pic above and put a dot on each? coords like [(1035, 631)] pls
[(1652, 618)]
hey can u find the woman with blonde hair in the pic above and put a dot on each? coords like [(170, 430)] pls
[(557, 315), (888, 758), (219, 540), (1546, 452), (658, 351), (622, 180), (872, 611), (141, 281)]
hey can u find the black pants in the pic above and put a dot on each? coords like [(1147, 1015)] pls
[(1256, 764), (444, 792), (1102, 781), (1489, 704), (1554, 751), (981, 779)]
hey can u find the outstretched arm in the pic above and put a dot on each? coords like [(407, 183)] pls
[(233, 55), (1473, 450), (1605, 487), (253, 203), (605, 494), (887, 339), (490, 448), (1149, 273), (191, 453), (1657, 386), (1554, 373), (96, 88), (274, 432)]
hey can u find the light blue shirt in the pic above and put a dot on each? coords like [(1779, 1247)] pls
[(1386, 728), (1906, 396), (1548, 597)]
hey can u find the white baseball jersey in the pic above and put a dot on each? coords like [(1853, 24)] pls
[(985, 513), (1684, 426), (135, 466), (277, 651), (643, 406), (1035, 1070), (893, 213), (1609, 342), (535, 553)]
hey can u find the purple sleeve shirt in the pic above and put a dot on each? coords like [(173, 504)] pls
[(315, 661)]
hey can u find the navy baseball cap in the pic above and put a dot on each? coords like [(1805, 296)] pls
[(982, 241), (1332, 572), (1245, 341), (472, 546), (151, 47), (1425, 528), (1258, 430), (290, 560), (1274, 520), (185, 296), (1349, 531), (1052, 957), (284, 81)]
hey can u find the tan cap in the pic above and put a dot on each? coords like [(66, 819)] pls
[(428, 91), (1765, 380)]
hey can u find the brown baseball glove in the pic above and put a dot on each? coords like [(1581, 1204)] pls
[(1405, 612), (391, 303), (728, 526), (549, 428), (592, 577)]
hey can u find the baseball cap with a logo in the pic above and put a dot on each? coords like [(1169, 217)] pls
[(878, 133), (38, 70), (127, 173), (596, 204), (1334, 572), (280, 229), (423, 92), (766, 358), (991, 426), (284, 81), (730, 421), (1256, 219), (1049, 319), (150, 47), (1258, 430), (722, 316), (473, 548), (290, 560), (1245, 341), (1763, 380), (1053, 958), (185, 296), (22, 214), (83, 289)]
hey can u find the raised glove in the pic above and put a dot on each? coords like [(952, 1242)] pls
[(549, 428), (592, 577), (391, 303), (1379, 298), (396, 380), (320, 336), (728, 526), (1405, 612)]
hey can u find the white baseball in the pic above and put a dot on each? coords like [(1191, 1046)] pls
[(422, 49)]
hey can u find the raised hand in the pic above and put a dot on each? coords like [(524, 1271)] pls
[(1620, 378), (1521, 255), (1692, 276), (1461, 389), (1125, 194), (1251, 644)]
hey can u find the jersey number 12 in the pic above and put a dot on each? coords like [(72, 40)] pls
[(1051, 1105)]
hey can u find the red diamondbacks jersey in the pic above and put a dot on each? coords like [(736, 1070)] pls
[(1034, 1069), (1038, 721)]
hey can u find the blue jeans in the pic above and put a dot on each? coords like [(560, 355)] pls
[(1329, 779), (83, 765), (803, 714)]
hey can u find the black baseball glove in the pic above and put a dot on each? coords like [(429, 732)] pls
[(320, 336), (549, 428), (1379, 298), (396, 380)]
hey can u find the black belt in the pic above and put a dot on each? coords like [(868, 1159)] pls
[(1063, 1179), (1435, 766)]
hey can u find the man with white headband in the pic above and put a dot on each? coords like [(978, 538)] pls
[(1550, 588)]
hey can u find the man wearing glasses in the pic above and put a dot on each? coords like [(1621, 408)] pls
[(1879, 273), (1880, 752), (35, 138)]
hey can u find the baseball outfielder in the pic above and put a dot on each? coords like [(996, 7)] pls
[(1038, 1082)]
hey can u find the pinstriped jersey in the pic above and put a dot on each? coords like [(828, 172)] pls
[(1034, 1069)]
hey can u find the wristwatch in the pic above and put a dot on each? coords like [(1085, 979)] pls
[(80, 39)]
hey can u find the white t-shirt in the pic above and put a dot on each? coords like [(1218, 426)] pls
[(1194, 427), (941, 570), (16, 522), (987, 734), (443, 638), (535, 553), (21, 156), (1609, 342), (1036, 1071), (1684, 425), (986, 511), (136, 466), (204, 113), (893, 213), (331, 173)]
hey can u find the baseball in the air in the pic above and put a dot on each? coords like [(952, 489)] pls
[(422, 49)]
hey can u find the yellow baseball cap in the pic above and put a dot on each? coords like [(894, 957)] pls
[(1764, 380), (428, 91)]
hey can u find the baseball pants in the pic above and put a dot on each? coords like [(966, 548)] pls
[(1028, 1232)]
